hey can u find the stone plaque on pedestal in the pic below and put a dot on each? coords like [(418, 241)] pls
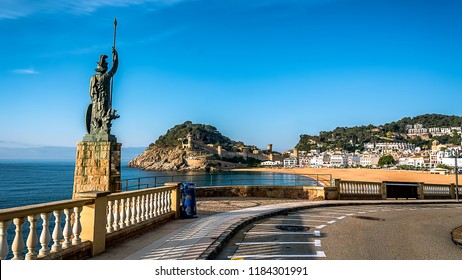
[(97, 167)]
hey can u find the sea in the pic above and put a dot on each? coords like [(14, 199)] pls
[(28, 182)]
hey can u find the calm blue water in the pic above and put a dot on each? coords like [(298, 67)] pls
[(26, 182)]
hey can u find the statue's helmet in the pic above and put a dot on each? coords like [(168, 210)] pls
[(102, 64)]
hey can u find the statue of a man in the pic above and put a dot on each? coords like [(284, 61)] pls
[(100, 93)]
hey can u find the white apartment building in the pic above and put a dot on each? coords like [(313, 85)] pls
[(338, 160), (416, 161), (290, 162), (369, 160), (304, 161)]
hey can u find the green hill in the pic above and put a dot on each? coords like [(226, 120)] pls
[(206, 133), (354, 138)]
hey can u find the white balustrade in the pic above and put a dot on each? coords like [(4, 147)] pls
[(122, 214), (134, 211), (110, 217), (45, 236), (360, 188), (143, 209), (32, 238), (151, 206), (115, 212), (128, 212), (138, 209), (18, 242), (156, 204), (3, 239), (77, 228), (67, 232), (57, 232)]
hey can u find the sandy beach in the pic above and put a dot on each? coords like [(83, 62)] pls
[(370, 175)]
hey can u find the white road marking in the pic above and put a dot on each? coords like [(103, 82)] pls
[(317, 216), (291, 225), (316, 243), (315, 233), (331, 222), (321, 226), (302, 220), (341, 218), (319, 254)]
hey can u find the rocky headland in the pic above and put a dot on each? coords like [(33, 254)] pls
[(199, 147)]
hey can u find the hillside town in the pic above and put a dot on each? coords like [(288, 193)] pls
[(437, 158)]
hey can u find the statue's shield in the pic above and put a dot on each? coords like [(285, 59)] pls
[(88, 118)]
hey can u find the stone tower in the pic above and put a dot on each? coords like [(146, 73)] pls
[(188, 142), (220, 151), (269, 147), (296, 152)]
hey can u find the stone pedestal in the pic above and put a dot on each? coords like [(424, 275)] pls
[(97, 167)]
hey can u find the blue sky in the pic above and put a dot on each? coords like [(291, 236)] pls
[(260, 71)]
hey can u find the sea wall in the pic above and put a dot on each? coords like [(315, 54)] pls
[(307, 192)]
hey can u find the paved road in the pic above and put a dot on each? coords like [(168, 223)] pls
[(383, 232)]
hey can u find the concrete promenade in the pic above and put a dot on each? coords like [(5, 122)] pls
[(218, 219)]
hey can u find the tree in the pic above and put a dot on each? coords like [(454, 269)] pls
[(386, 160)]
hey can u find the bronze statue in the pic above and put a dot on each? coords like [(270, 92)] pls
[(100, 113), (100, 92)]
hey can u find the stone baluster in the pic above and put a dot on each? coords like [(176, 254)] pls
[(45, 235), (115, 212), (169, 201), (77, 228), (57, 232), (134, 211), (165, 202), (147, 206), (110, 217), (151, 206), (18, 242), (155, 206), (159, 204), (142, 208), (162, 202), (4, 239), (122, 213), (128, 213), (32, 238), (138, 209), (67, 232)]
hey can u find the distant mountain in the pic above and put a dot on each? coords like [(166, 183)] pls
[(55, 153), (353, 138)]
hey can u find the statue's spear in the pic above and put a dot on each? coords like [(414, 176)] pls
[(113, 45)]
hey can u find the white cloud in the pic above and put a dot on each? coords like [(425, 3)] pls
[(26, 71), (13, 9)]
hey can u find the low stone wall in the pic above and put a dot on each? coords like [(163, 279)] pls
[(307, 192)]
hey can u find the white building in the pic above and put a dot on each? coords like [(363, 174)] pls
[(271, 163), (369, 160), (416, 161), (304, 161), (290, 162), (339, 160)]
